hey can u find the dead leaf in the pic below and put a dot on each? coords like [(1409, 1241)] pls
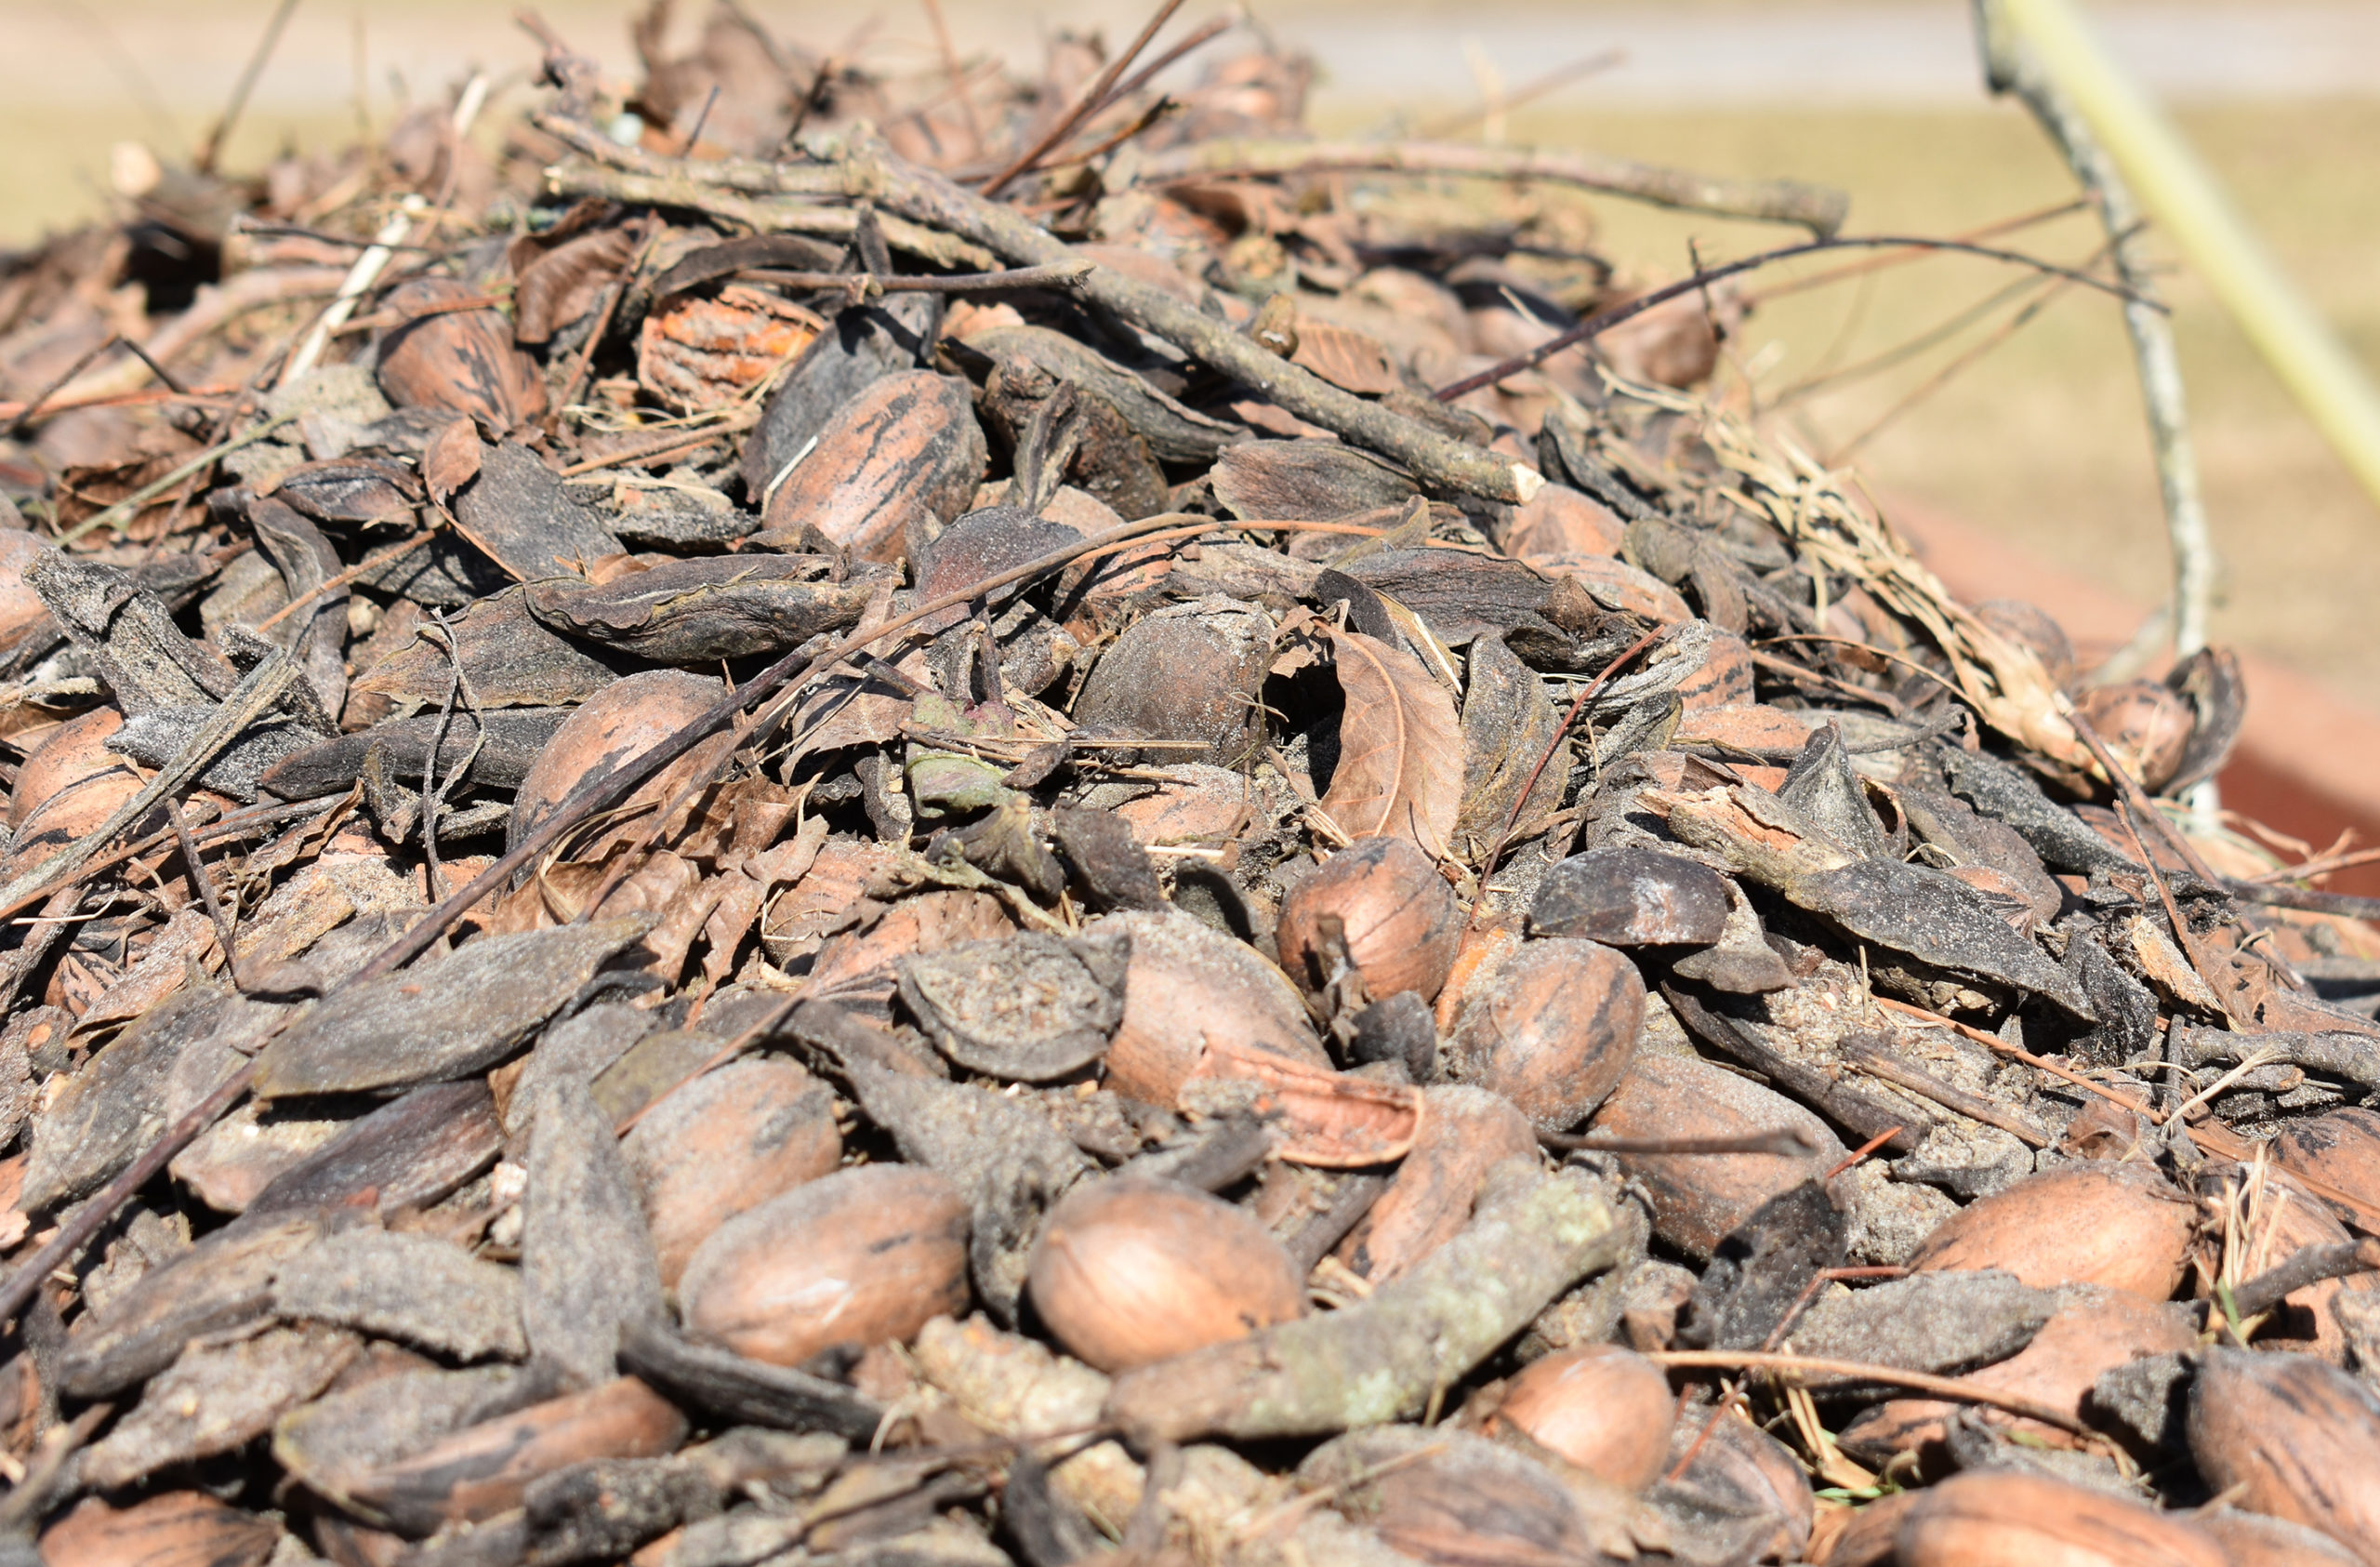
[(1353, 360), (451, 460), (1400, 746)]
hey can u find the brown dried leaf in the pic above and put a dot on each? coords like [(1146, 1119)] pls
[(563, 284), (1400, 748), (1353, 361), (451, 460)]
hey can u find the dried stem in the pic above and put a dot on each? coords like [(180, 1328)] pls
[(1957, 1388), (1814, 207), (1595, 325), (1085, 106), (2009, 68), (212, 149), (2309, 1264)]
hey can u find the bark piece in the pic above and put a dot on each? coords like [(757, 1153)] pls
[(588, 1271), (520, 514), (382, 1419), (1942, 1323), (735, 1387), (142, 655), (511, 659), (1628, 897), (413, 1288), (1307, 481), (711, 607), (307, 561), (216, 1398), (1174, 434), (484, 1469), (1509, 728), (99, 1118), (223, 1282), (507, 742), (176, 1529), (451, 1018), (409, 1153)]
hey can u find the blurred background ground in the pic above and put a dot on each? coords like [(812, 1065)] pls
[(2037, 442)]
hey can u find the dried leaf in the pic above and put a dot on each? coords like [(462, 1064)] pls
[(1400, 748), (451, 460)]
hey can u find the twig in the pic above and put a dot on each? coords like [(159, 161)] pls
[(1105, 145), (87, 1220), (365, 567), (1901, 1074), (2129, 787), (1879, 263), (1086, 104), (1595, 325), (1528, 92), (22, 1507), (687, 147), (2310, 1265), (2320, 865), (867, 170), (204, 884), (1067, 276), (794, 670), (1862, 1151), (575, 383), (2312, 900), (173, 382), (17, 426), (670, 443), (1787, 1141), (1814, 207), (360, 276), (212, 147), (2009, 68), (433, 789), (958, 76), (1958, 1388), (1197, 38), (247, 701), (759, 214), (230, 826), (2049, 293)]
